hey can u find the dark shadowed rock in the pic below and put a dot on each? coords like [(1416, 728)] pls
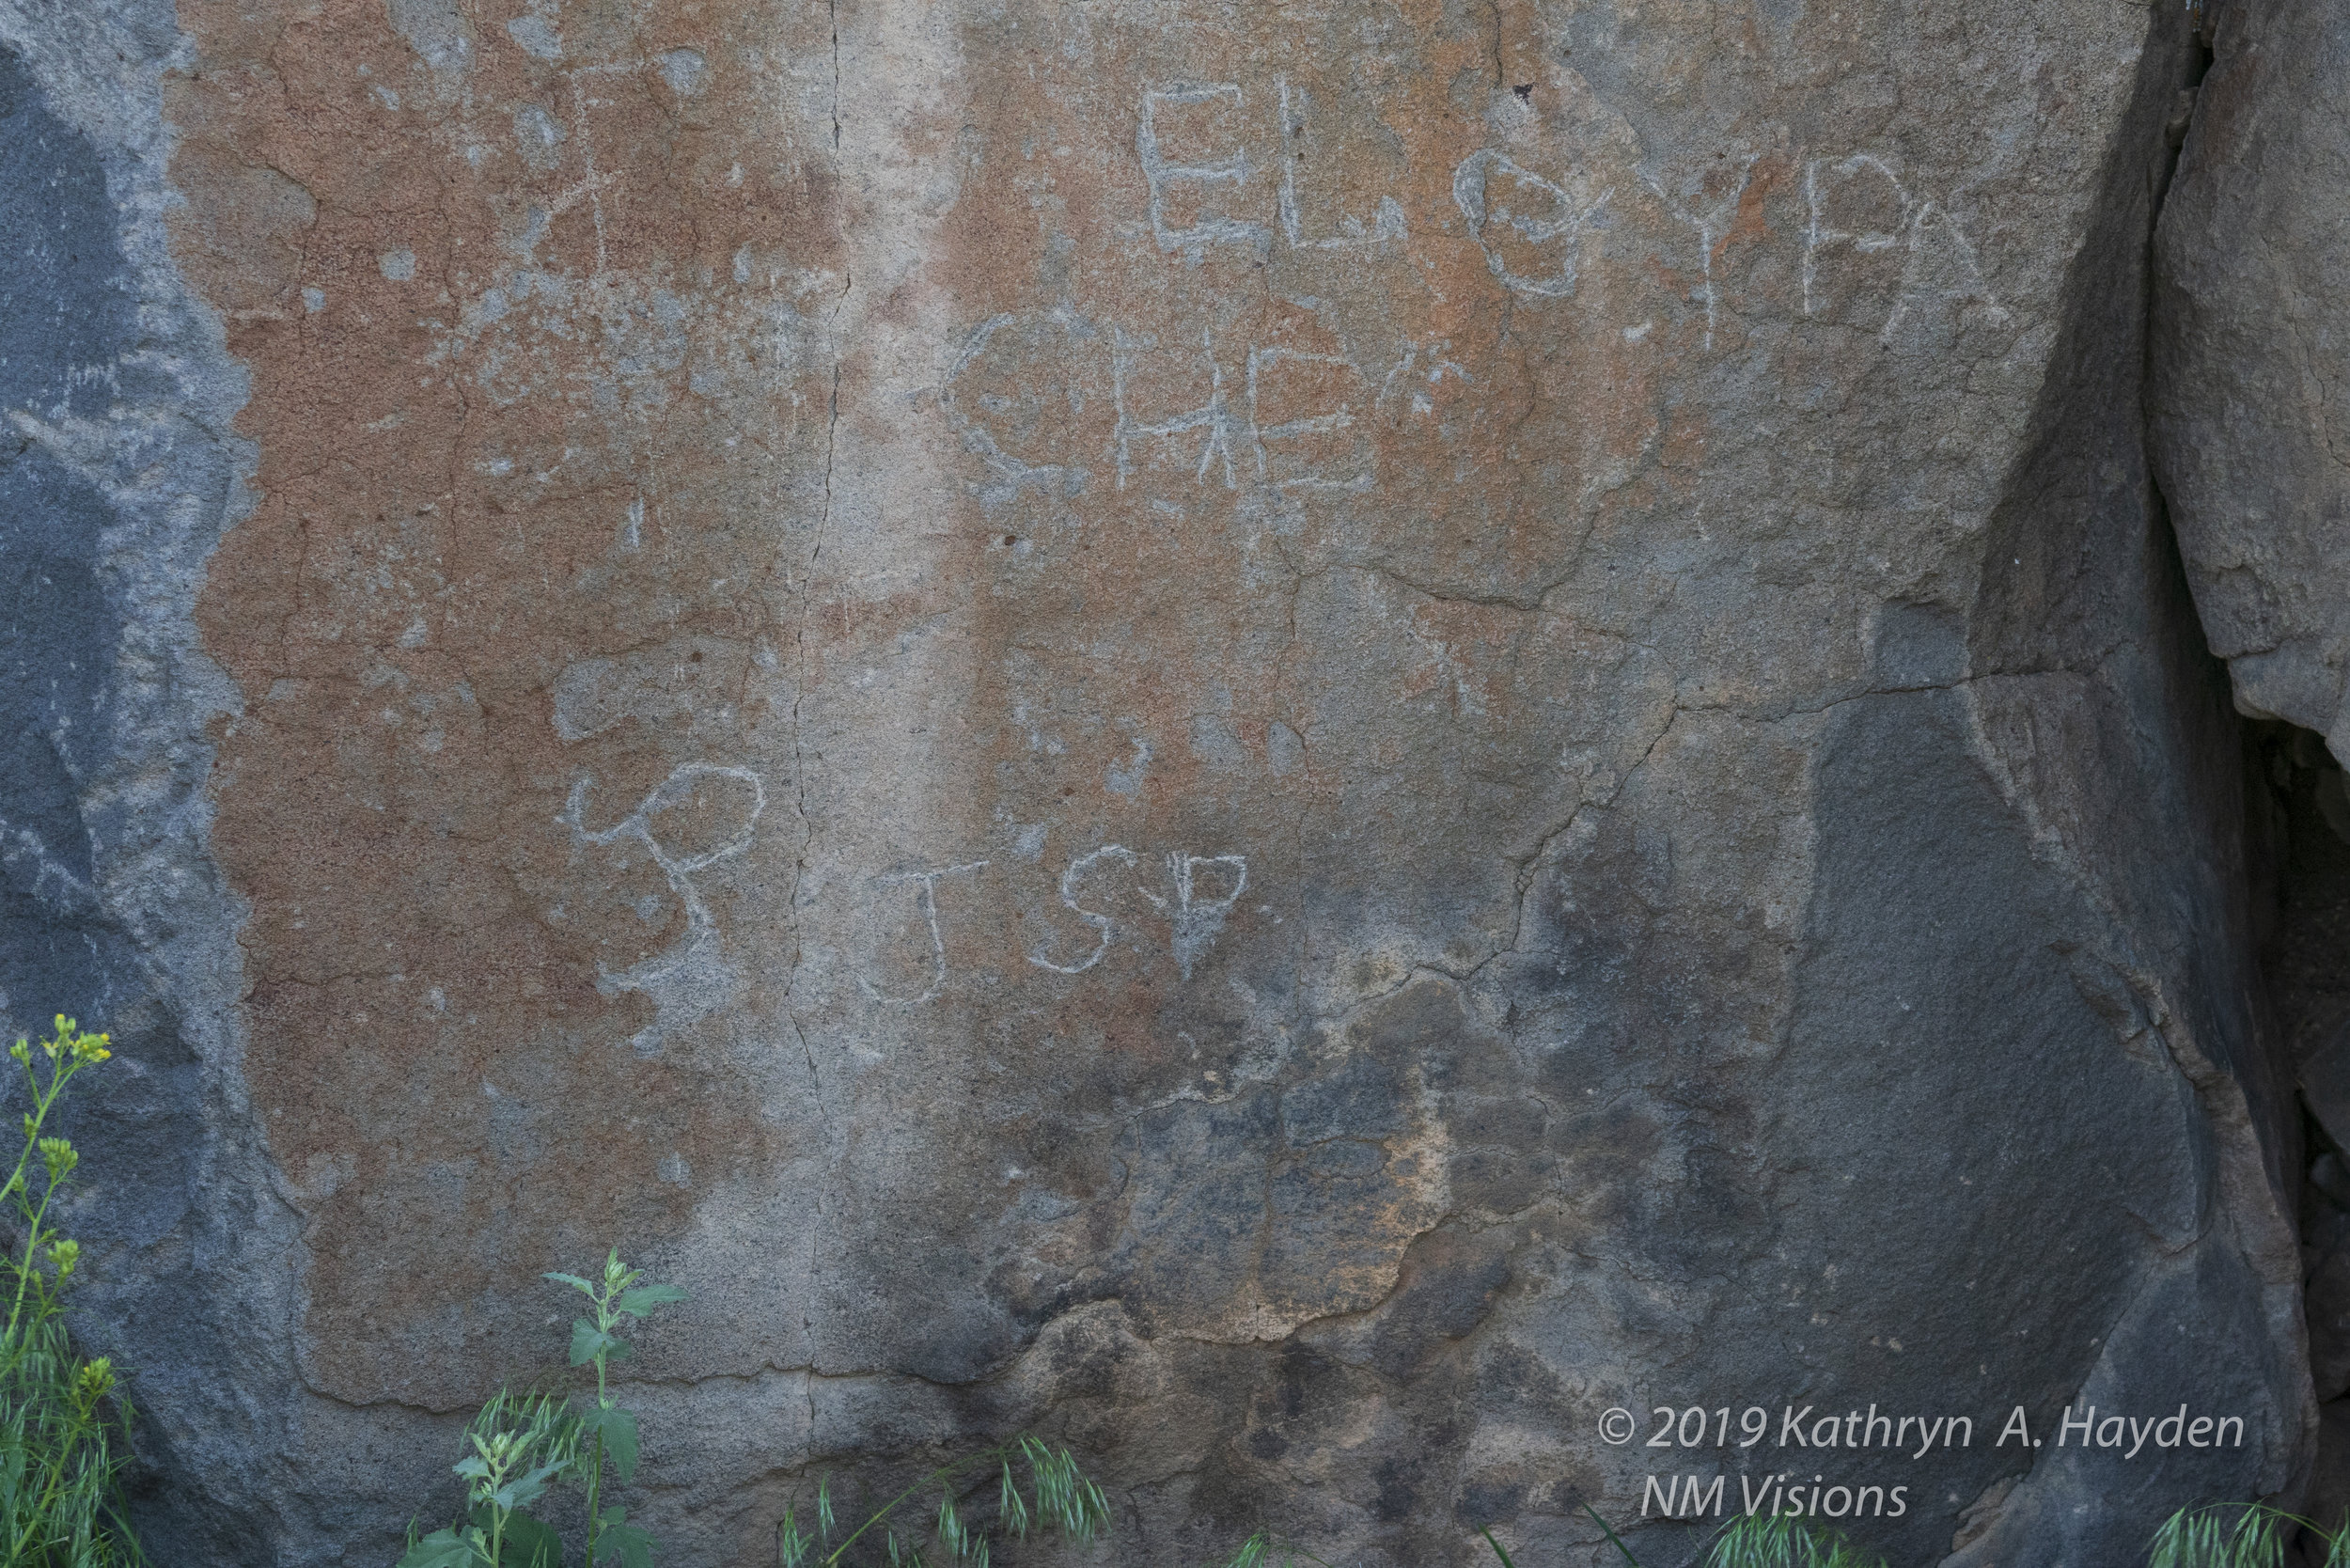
[(2251, 409)]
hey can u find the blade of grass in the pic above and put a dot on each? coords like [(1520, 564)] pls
[(1611, 1535)]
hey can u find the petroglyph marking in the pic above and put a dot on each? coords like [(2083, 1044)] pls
[(1187, 165), (1438, 367), (1167, 177), (690, 979), (1193, 141), (1859, 177), (1196, 920), (1024, 392), (1214, 416), (591, 185), (1386, 226), (1020, 389), (1311, 460), (979, 438), (1710, 225), (1102, 924), (1501, 230), (926, 899), (1300, 409), (1868, 242)]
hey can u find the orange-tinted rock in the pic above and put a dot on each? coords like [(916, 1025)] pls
[(1299, 741)]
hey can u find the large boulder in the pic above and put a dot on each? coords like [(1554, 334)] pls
[(1303, 741), (2250, 414), (2250, 427)]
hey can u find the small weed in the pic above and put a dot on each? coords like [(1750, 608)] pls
[(65, 1430), (1758, 1540), (1749, 1541), (1267, 1550), (1612, 1538), (609, 1430), (524, 1445), (1059, 1499), (2205, 1537)]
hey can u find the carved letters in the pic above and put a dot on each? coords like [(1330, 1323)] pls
[(1110, 891)]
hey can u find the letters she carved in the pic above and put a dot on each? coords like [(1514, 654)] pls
[(1111, 889), (702, 813), (1021, 389), (1197, 918), (1058, 401)]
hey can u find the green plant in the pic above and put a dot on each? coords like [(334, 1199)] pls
[(1748, 1541), (1611, 1535), (1059, 1499), (1777, 1541), (1264, 1549), (619, 1300), (64, 1429), (522, 1446), (2204, 1538)]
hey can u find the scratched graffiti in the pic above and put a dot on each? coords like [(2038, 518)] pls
[(1220, 170), (923, 885), (1176, 904), (1230, 416), (1196, 914), (702, 813), (1057, 402), (1531, 229), (1899, 250)]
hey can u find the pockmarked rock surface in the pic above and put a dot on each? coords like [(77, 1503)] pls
[(2251, 431), (2252, 413), (1300, 743)]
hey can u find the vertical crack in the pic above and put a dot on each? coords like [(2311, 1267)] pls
[(799, 871), (834, 12), (799, 749)]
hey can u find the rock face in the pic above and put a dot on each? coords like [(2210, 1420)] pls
[(2251, 414), (1301, 743), (2251, 427)]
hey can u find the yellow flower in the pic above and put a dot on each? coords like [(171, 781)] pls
[(59, 1156), (94, 1382)]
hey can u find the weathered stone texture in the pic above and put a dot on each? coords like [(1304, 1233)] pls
[(119, 475), (2251, 415), (1303, 741), (2251, 431)]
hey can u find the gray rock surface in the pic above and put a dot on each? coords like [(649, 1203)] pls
[(2250, 424), (2251, 399), (119, 476), (1297, 743)]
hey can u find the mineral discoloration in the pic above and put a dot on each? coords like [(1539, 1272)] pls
[(1301, 744), (541, 408)]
